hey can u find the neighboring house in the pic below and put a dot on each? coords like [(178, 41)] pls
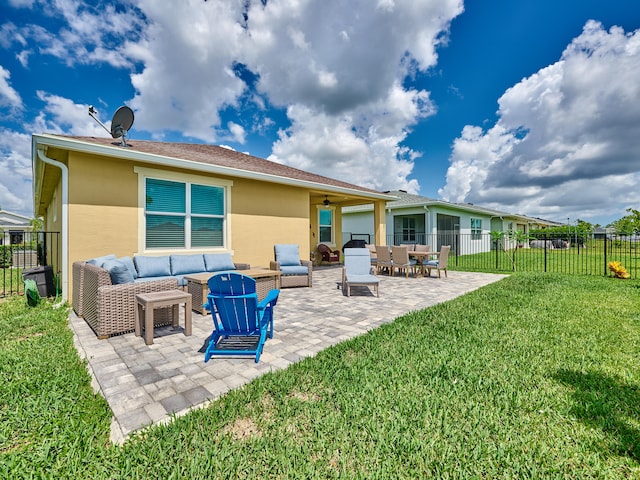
[(13, 228), (417, 219), (158, 198)]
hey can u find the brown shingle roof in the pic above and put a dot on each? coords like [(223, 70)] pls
[(218, 156)]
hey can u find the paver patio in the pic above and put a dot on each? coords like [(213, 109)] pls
[(146, 384)]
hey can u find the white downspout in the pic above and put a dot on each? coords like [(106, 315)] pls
[(65, 219)]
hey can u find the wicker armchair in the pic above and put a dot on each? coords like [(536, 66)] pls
[(111, 309), (295, 280), (295, 272)]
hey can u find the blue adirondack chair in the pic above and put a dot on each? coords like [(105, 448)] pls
[(241, 324)]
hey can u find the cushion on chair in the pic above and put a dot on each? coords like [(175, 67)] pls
[(357, 261), (294, 270), (366, 279), (98, 261), (287, 254), (431, 263), (217, 262), (181, 264), (118, 272), (152, 266)]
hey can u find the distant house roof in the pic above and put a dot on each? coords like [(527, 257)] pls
[(203, 157), (405, 200), (10, 220)]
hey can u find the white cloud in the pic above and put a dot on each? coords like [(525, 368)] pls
[(328, 145), (61, 115), (87, 34), (9, 97), (342, 82), (237, 132), (566, 136), (15, 164), (188, 66)]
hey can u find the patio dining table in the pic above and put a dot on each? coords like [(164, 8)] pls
[(420, 256)]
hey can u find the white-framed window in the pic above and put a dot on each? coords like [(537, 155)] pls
[(476, 229), (326, 219), (183, 211)]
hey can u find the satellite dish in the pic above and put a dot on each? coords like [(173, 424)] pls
[(120, 123)]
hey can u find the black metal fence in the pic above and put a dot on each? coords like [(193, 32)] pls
[(579, 254), (27, 251)]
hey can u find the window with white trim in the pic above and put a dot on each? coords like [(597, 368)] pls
[(325, 225), (476, 229), (183, 214)]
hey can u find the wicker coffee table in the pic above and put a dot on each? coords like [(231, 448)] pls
[(265, 278)]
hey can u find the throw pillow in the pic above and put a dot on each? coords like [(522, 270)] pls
[(130, 266), (118, 271)]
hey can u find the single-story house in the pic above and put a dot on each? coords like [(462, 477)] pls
[(416, 219), (155, 198), (14, 228)]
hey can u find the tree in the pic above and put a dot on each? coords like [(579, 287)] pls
[(629, 224), (36, 224)]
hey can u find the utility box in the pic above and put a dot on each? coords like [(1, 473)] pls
[(43, 276)]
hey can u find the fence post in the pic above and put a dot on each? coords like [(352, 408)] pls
[(605, 254), (545, 253)]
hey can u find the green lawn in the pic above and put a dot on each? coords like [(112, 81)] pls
[(535, 376)]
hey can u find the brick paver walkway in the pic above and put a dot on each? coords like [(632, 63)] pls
[(145, 384)]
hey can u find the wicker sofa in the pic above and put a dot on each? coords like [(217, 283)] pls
[(109, 307)]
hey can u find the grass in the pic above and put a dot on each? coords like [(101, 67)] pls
[(11, 281), (532, 377)]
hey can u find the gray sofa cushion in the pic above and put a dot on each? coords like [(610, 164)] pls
[(217, 262), (152, 266), (183, 264)]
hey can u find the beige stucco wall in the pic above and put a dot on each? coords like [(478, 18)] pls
[(103, 207), (104, 213)]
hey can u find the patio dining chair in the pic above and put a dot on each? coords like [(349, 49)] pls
[(401, 260), (383, 259), (357, 270), (240, 324), (440, 263)]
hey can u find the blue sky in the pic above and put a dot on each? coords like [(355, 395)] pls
[(527, 107)]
